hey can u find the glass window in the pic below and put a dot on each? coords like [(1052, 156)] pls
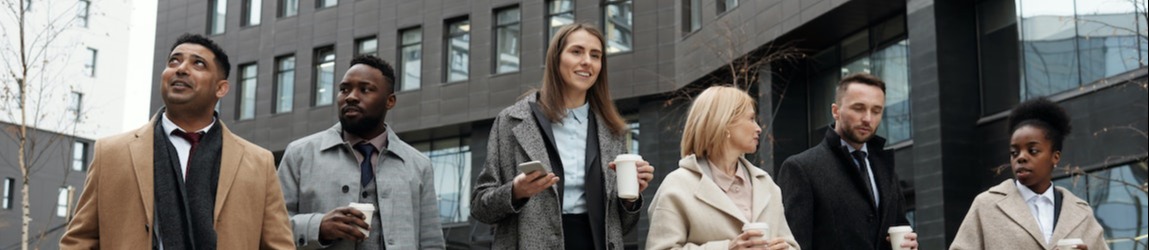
[(458, 42), (251, 12), (83, 9), (247, 82), (288, 8), (324, 76), (619, 26), (284, 83), (507, 40), (892, 65), (367, 46), (1119, 202), (632, 135), (1067, 43), (319, 4), (62, 202), (79, 156), (90, 65), (691, 15), (451, 159), (9, 192), (559, 13), (218, 17), (411, 59), (75, 105), (726, 5)]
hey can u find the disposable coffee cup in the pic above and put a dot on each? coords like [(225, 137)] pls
[(1067, 244), (757, 226), (627, 175), (368, 210), (898, 235)]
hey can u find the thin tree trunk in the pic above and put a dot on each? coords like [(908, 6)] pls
[(23, 84)]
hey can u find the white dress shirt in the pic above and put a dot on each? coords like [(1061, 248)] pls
[(570, 140), (1042, 207), (182, 145)]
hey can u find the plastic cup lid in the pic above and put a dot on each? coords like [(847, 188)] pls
[(628, 157), (756, 225), (362, 206), (901, 229)]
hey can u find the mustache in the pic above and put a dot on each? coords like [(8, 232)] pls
[(349, 107)]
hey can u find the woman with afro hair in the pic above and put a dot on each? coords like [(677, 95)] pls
[(1028, 212)]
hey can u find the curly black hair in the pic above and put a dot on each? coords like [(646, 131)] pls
[(1042, 114), (220, 56), (380, 64)]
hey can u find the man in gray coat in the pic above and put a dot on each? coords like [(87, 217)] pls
[(361, 160)]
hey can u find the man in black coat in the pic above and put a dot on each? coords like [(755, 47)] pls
[(843, 193)]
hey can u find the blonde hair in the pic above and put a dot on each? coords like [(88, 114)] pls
[(710, 115)]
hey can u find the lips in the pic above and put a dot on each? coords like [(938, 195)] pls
[(583, 73), (1022, 172), (180, 83), (348, 110)]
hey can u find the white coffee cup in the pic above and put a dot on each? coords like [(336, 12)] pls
[(757, 226), (1068, 244), (627, 175), (898, 235), (368, 210)]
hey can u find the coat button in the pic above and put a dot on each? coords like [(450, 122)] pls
[(302, 241), (365, 194), (346, 189), (610, 246)]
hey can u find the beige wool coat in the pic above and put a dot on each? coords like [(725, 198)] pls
[(690, 211), (1000, 219)]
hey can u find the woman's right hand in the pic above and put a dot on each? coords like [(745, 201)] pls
[(527, 185), (748, 240)]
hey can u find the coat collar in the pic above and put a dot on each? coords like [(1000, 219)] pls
[(332, 138), (140, 149), (709, 192), (1073, 211)]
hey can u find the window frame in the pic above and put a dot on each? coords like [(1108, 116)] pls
[(83, 12), (84, 157), (216, 19), (401, 68), (628, 27), (549, 19), (317, 61), (497, 29), (242, 78), (284, 6), (9, 193), (465, 24), (76, 104), (90, 66), (319, 4), (691, 12), (277, 84), (251, 9), (359, 42), (722, 6)]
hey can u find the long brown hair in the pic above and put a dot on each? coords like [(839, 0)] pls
[(551, 93)]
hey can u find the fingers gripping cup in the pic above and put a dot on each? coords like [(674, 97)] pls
[(368, 210), (757, 226), (898, 235), (627, 175), (1069, 244)]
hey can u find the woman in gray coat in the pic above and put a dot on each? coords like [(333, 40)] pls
[(572, 126)]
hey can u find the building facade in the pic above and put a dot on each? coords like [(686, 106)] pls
[(77, 86), (954, 69)]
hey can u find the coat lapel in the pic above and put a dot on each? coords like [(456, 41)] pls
[(709, 193), (228, 168), (1014, 207), (1072, 215), (761, 194), (140, 149), (528, 135)]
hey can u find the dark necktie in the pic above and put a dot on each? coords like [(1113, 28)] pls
[(367, 173), (192, 138), (860, 159)]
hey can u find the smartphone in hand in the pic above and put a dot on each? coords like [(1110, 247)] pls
[(531, 166)]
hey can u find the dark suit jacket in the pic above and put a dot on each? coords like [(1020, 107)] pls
[(826, 202)]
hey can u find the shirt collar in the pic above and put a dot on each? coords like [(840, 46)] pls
[(723, 180), (380, 141), (865, 148), (579, 113), (1028, 194), (170, 126)]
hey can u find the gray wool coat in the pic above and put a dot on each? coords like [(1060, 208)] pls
[(516, 138)]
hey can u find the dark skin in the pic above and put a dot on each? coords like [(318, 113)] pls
[(1032, 158), (364, 98)]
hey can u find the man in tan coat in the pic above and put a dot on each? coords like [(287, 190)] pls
[(183, 181)]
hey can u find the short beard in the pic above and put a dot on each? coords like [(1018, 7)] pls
[(361, 126), (848, 133)]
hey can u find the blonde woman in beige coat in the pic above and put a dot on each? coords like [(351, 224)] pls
[(715, 191), (1028, 212)]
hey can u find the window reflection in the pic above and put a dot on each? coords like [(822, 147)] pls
[(451, 159), (619, 26), (1119, 202), (458, 50), (411, 59)]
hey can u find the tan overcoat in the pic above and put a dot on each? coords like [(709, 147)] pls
[(1000, 219)]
